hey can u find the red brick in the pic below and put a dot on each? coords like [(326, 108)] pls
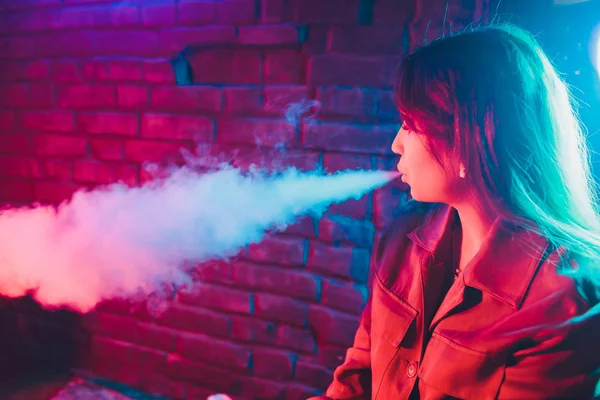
[(112, 326), (334, 162), (292, 101), (124, 373), (196, 12), (163, 126), (156, 336), (346, 262), (354, 208), (316, 40), (331, 11), (216, 351), (243, 99), (268, 34), (41, 95), (60, 121), (300, 339), (161, 14), (275, 364), (216, 297), (106, 149), (86, 96), (274, 10), (156, 383), (16, 47), (95, 70), (36, 69), (237, 11), (263, 132), (104, 347), (124, 70), (89, 17), (303, 226), (132, 97), (176, 39), (140, 150), (16, 190), (351, 102), (281, 309), (128, 43), (19, 4), (341, 229), (279, 249), (347, 70), (333, 327), (59, 145), (203, 374), (349, 138), (291, 283), (148, 360), (295, 391), (64, 44), (311, 374), (105, 173), (108, 123), (283, 66), (158, 71), (219, 66), (387, 202), (14, 95), (15, 143), (344, 296), (274, 159), (54, 192), (394, 12), (216, 271), (250, 329), (52, 169), (368, 39), (16, 167), (192, 319), (186, 98), (8, 120), (65, 71), (386, 106)]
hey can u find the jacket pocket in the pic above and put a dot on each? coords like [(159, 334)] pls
[(461, 372), (391, 317)]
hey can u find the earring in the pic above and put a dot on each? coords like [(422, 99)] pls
[(462, 172)]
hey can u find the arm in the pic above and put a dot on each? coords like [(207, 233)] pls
[(564, 362)]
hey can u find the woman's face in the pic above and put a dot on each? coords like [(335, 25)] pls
[(429, 182)]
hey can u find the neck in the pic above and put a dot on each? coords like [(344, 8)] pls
[(475, 225)]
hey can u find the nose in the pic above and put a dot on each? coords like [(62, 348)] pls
[(397, 147)]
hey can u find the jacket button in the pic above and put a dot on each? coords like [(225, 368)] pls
[(411, 370)]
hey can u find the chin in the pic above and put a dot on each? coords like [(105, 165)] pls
[(423, 198)]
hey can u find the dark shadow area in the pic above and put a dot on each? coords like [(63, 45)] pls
[(38, 349)]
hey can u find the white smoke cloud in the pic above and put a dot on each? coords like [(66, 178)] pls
[(119, 241)]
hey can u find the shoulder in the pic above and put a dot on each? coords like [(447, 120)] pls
[(410, 216), (563, 279)]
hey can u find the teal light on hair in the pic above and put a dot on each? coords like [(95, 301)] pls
[(491, 96)]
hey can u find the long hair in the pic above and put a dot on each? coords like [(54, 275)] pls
[(492, 97)]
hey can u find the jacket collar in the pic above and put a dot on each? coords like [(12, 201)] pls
[(504, 266)]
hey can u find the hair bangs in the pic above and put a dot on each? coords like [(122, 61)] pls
[(422, 96)]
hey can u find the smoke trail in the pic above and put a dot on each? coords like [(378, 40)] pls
[(118, 241)]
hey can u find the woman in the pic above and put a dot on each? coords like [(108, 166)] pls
[(484, 287)]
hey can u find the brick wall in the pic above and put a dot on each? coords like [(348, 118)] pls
[(89, 94)]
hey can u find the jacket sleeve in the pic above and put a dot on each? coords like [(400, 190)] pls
[(563, 363)]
